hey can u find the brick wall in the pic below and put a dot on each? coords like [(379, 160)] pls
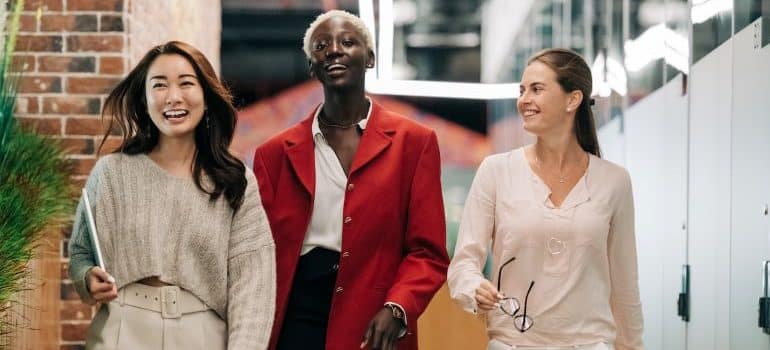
[(72, 55)]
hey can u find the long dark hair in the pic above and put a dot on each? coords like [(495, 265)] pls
[(573, 73), (127, 106)]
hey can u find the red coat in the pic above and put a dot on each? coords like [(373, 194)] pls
[(393, 246)]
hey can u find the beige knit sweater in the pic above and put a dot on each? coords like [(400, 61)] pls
[(151, 223)]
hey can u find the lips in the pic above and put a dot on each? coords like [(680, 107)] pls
[(175, 114)]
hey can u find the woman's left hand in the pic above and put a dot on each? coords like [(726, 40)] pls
[(382, 331)]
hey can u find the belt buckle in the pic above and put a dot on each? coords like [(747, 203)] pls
[(169, 302)]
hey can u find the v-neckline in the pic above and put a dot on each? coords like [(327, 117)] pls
[(576, 195)]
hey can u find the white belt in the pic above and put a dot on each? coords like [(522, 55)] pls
[(169, 301), (495, 344)]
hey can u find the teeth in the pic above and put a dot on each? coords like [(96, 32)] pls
[(174, 113), (335, 66)]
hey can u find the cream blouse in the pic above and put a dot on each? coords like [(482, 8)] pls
[(581, 256)]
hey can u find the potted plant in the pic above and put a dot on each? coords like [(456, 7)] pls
[(35, 192)]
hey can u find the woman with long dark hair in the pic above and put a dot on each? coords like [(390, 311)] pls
[(560, 221), (185, 241)]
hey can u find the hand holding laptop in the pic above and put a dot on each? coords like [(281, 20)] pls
[(100, 283)]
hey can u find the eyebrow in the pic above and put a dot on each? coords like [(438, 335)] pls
[(181, 76)]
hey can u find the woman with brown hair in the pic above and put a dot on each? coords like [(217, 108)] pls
[(180, 223), (560, 221)]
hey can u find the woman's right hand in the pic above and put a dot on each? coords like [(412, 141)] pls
[(487, 296), (101, 285)]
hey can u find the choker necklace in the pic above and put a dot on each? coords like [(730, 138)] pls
[(324, 122)]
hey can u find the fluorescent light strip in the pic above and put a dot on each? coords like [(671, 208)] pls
[(379, 80), (385, 59), (443, 89), (705, 9)]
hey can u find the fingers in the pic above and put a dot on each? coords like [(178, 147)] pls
[(101, 274), (107, 295), (367, 335), (382, 332), (487, 296), (101, 285)]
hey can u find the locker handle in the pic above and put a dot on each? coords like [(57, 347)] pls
[(683, 303), (764, 300)]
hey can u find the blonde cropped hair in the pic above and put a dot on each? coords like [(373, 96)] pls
[(355, 20)]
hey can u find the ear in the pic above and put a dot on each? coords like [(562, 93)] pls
[(370, 60), (310, 68), (574, 100)]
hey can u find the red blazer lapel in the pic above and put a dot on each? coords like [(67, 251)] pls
[(376, 138), (299, 148)]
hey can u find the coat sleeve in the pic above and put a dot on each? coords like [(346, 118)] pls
[(423, 269)]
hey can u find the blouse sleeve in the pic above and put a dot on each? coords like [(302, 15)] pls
[(474, 238), (624, 285)]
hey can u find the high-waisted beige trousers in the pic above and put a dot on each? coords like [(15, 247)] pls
[(145, 317)]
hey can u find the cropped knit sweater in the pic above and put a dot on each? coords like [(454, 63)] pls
[(151, 223)]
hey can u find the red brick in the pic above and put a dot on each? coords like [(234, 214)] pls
[(39, 43), (27, 23), (95, 5), (111, 65), (100, 43), (89, 126), (78, 181), (45, 126), (75, 311), (67, 64), (81, 166), (45, 5), (68, 23), (38, 84), (71, 105), (73, 145), (110, 144), (65, 271), (27, 105), (91, 85), (111, 23), (22, 63), (74, 331)]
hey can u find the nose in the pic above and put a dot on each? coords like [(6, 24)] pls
[(334, 49), (174, 95)]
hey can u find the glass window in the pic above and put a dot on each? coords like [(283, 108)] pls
[(746, 12), (644, 51), (677, 40), (711, 26)]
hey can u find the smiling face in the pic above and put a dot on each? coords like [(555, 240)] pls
[(543, 105), (339, 56), (174, 96)]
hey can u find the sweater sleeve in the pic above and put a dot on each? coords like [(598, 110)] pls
[(624, 285), (250, 274), (473, 240), (81, 253)]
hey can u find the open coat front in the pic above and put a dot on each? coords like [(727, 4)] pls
[(393, 232)]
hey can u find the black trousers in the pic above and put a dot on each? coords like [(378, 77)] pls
[(307, 313)]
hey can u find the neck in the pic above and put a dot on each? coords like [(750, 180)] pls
[(558, 151), (346, 107), (175, 154)]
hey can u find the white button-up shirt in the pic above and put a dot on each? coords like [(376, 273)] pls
[(325, 229)]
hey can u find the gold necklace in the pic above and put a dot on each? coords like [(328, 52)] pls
[(562, 177), (322, 120)]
